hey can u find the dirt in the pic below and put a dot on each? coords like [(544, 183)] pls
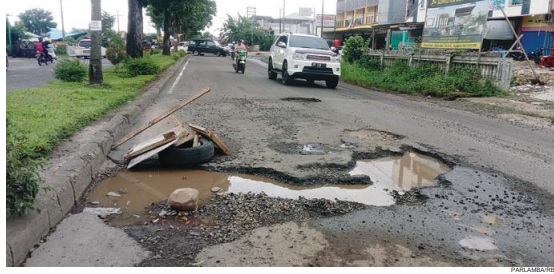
[(526, 102)]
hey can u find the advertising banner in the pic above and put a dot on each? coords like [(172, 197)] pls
[(328, 20), (455, 24)]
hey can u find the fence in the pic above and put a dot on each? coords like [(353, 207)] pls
[(494, 68)]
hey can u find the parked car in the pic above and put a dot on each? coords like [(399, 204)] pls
[(82, 49), (303, 56), (201, 46), (183, 45)]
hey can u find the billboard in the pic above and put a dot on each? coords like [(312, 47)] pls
[(328, 20), (455, 24)]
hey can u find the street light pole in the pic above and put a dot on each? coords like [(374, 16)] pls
[(63, 28)]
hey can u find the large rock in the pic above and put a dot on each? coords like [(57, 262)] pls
[(184, 199)]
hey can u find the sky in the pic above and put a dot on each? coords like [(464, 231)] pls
[(76, 13)]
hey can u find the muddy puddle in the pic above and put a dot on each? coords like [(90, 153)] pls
[(136, 190)]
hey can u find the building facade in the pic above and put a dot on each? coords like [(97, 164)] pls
[(399, 24)]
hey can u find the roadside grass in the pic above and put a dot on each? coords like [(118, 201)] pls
[(424, 80), (52, 112), (39, 119)]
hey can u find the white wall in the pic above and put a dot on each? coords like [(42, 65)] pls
[(537, 7)]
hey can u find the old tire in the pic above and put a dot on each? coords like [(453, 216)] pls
[(187, 156), (272, 75)]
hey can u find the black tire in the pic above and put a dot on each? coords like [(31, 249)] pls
[(188, 156), (285, 77), (332, 82), (196, 53), (218, 53), (272, 75)]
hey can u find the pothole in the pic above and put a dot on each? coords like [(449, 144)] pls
[(133, 192), (313, 149), (301, 99)]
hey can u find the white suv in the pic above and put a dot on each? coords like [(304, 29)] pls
[(303, 56)]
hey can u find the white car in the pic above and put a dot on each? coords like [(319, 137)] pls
[(184, 45), (82, 49), (303, 56)]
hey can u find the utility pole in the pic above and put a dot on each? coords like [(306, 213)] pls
[(280, 21), (117, 14), (284, 19), (95, 64), (63, 28), (322, 12)]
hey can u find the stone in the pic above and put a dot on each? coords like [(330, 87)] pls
[(185, 199), (113, 194), (216, 189)]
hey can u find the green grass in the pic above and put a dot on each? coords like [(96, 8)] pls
[(54, 111), (426, 81)]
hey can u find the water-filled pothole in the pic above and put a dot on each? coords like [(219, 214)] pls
[(138, 189)]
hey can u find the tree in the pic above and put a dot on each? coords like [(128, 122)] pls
[(37, 21), (243, 28), (181, 17), (156, 19), (108, 21), (16, 31), (134, 28), (108, 33)]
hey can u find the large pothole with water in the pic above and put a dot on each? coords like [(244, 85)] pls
[(131, 193)]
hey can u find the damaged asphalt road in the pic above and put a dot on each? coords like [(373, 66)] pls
[(494, 208)]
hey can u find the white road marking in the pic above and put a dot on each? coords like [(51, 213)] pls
[(178, 77)]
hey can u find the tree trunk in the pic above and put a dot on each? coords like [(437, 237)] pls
[(166, 45), (95, 65), (134, 29)]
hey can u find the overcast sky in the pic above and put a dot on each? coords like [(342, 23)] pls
[(76, 13)]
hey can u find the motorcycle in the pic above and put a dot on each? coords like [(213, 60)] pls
[(533, 55), (41, 58), (240, 62), (536, 55)]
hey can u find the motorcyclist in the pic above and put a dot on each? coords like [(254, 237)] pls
[(240, 46), (42, 47)]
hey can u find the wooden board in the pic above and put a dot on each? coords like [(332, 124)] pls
[(160, 117), (148, 154), (151, 144), (186, 134), (212, 136), (196, 140)]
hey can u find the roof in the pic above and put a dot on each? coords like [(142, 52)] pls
[(56, 34)]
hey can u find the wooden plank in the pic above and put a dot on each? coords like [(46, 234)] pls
[(187, 136), (148, 154), (151, 144), (212, 136), (196, 141), (159, 118)]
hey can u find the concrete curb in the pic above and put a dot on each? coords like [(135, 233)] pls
[(70, 170)]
